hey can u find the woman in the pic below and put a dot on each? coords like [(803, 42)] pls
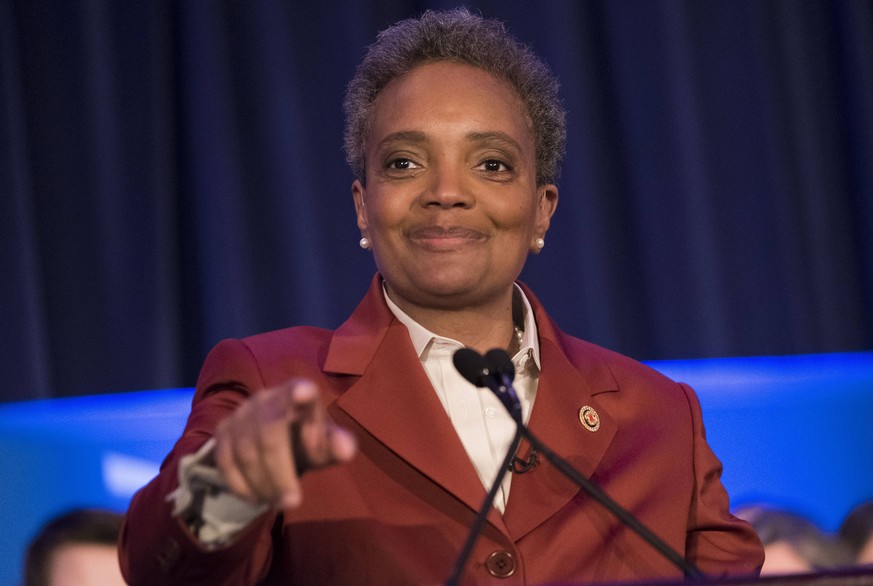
[(454, 131)]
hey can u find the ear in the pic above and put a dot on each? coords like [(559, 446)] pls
[(547, 196), (358, 192)]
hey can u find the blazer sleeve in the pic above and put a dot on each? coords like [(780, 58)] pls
[(717, 542), (156, 548)]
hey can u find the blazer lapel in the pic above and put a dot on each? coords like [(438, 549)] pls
[(563, 389), (394, 401)]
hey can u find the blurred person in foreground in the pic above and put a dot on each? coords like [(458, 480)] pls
[(77, 548), (360, 455), (856, 532), (792, 543)]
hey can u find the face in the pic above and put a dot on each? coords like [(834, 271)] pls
[(451, 205), (86, 565), (866, 555), (781, 558)]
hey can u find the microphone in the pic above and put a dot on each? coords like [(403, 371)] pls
[(472, 366), (503, 371), (496, 363), (496, 372), (500, 362), (479, 371)]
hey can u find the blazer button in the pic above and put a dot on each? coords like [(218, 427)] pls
[(501, 564)]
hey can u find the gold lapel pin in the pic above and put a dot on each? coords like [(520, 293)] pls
[(589, 418)]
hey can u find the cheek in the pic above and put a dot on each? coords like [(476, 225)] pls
[(380, 215), (385, 229), (519, 218)]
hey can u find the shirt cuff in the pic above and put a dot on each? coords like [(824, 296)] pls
[(212, 513)]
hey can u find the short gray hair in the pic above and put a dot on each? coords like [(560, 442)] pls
[(458, 36)]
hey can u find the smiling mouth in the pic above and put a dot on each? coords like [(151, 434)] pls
[(445, 237)]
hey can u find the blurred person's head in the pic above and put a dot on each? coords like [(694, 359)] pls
[(857, 533), (792, 543), (76, 548)]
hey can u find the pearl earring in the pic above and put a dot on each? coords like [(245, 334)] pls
[(364, 243), (539, 243)]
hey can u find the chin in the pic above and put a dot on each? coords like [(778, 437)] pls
[(442, 291), (439, 288)]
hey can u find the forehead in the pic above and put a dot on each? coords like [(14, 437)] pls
[(444, 99)]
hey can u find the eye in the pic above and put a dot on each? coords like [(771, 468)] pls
[(494, 166), (402, 164)]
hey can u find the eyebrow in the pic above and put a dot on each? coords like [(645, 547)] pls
[(415, 136), (495, 137), (419, 137)]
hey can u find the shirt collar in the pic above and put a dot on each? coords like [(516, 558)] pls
[(421, 337)]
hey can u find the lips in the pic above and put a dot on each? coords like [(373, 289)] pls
[(449, 232), (445, 238)]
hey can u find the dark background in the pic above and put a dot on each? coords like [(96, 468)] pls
[(171, 174)]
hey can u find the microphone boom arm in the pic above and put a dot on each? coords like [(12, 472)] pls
[(482, 516), (595, 492), (496, 371)]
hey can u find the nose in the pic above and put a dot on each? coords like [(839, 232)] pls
[(447, 189)]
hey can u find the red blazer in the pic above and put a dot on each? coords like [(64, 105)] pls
[(400, 512)]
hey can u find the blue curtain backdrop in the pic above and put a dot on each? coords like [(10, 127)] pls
[(171, 174)]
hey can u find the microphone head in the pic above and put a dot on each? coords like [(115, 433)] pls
[(498, 361), (472, 366)]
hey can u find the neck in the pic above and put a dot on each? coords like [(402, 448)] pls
[(481, 327)]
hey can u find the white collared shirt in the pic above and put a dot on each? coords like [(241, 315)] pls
[(483, 424)]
